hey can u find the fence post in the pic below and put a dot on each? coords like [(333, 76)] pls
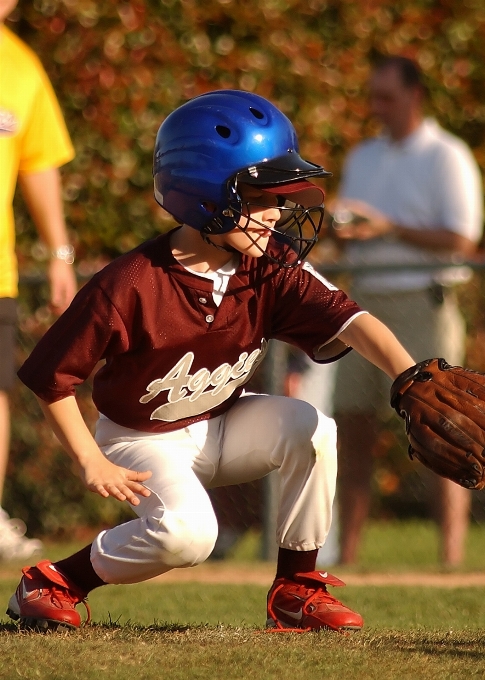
[(275, 365)]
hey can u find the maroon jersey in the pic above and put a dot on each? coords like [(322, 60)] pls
[(172, 357)]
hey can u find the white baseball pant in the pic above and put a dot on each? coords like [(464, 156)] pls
[(176, 524)]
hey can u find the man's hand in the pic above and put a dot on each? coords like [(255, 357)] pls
[(107, 479), (358, 220), (63, 286), (43, 194)]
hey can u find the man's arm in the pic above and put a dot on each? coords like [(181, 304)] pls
[(376, 343), (43, 194), (375, 224), (438, 240)]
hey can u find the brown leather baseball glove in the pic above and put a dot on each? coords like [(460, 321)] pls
[(443, 408)]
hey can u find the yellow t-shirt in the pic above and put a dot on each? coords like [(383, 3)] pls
[(33, 138)]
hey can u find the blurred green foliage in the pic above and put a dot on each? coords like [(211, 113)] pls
[(119, 68)]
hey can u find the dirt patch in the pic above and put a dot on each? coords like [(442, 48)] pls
[(262, 574)]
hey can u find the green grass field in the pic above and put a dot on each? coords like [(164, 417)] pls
[(210, 631)]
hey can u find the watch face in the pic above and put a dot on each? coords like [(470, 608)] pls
[(343, 217)]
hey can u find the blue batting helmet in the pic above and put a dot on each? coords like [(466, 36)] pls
[(217, 140)]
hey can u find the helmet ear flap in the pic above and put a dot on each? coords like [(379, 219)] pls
[(221, 224), (212, 226), (209, 206), (227, 219)]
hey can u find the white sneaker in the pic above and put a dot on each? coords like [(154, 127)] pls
[(13, 543)]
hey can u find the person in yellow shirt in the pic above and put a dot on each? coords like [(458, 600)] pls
[(34, 143)]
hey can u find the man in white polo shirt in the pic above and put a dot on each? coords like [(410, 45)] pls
[(419, 191)]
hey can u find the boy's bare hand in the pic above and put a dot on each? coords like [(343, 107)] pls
[(97, 472), (106, 479)]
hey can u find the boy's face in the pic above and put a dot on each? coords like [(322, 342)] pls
[(260, 214), (6, 8)]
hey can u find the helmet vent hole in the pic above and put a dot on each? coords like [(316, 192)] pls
[(257, 114), (223, 131)]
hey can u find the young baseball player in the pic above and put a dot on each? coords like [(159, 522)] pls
[(181, 323)]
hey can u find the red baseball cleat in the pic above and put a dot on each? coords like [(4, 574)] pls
[(303, 604), (45, 599)]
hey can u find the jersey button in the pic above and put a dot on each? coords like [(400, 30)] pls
[(209, 318), (203, 301)]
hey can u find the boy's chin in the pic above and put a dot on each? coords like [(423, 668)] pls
[(254, 252)]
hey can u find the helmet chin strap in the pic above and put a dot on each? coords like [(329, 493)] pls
[(206, 239), (229, 249)]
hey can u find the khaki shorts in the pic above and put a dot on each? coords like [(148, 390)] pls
[(8, 327), (426, 326)]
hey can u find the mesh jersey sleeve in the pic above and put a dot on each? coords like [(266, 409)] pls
[(87, 332), (311, 312)]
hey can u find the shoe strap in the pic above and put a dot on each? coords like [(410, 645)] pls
[(317, 578), (51, 574)]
